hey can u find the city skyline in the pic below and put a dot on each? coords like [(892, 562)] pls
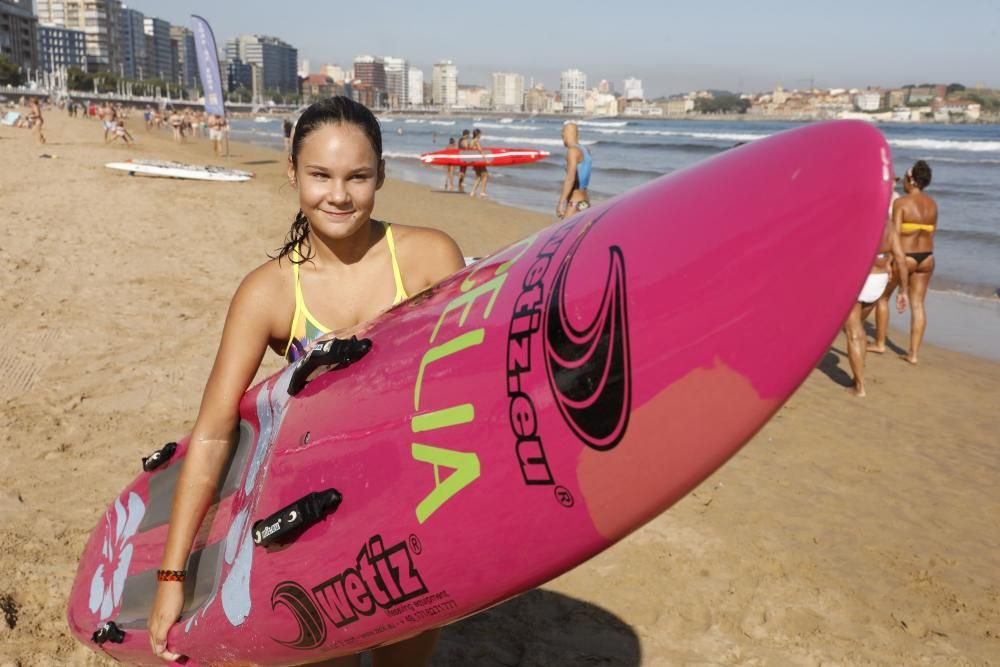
[(672, 49)]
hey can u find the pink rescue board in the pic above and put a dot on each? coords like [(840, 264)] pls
[(487, 157), (517, 419)]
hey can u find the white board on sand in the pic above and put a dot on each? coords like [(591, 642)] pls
[(168, 169)]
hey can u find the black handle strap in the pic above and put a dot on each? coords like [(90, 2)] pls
[(288, 522), (109, 632), (335, 353), (159, 457)]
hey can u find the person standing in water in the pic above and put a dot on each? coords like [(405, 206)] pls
[(350, 268), (482, 173), (574, 197), (915, 216), (463, 144), (449, 179)]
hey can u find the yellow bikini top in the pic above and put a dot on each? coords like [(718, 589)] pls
[(912, 227), (305, 327)]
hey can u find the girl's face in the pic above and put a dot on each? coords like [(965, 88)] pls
[(336, 177)]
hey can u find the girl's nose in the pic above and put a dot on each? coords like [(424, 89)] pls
[(337, 193)]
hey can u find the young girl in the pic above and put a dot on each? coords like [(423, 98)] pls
[(348, 268)]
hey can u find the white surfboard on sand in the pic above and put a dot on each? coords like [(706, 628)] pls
[(167, 169)]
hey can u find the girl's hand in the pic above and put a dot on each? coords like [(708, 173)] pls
[(166, 610)]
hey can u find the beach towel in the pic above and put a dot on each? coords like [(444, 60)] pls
[(10, 118)]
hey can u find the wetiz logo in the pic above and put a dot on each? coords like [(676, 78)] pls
[(381, 578), (588, 366)]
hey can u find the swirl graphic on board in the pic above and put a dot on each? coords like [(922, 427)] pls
[(312, 628), (589, 368)]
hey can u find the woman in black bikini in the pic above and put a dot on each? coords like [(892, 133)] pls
[(915, 215)]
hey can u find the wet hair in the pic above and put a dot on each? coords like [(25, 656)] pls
[(476, 132), (465, 133), (337, 110), (920, 174)]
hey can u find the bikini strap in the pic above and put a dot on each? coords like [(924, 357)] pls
[(299, 300), (396, 275)]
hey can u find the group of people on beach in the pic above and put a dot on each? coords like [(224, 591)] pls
[(904, 262), (573, 196), (472, 143)]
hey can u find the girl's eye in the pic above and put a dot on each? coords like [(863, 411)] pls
[(318, 175)]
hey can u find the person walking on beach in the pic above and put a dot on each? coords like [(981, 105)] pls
[(890, 251), (215, 134), (36, 120), (915, 216), (449, 179), (573, 197), (108, 119), (482, 173), (463, 144), (349, 268), (286, 129)]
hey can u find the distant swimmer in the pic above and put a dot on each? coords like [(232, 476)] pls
[(890, 251), (915, 216), (574, 197)]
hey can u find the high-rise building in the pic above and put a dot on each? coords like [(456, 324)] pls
[(99, 20), (633, 89), (19, 33), (276, 60), (397, 81), (61, 47), (186, 62), (370, 71), (132, 41), (416, 87), (573, 88), (444, 84), (159, 65), (508, 91)]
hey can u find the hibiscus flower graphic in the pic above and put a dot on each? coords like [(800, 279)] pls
[(109, 579)]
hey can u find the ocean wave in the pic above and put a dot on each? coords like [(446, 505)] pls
[(948, 145), (711, 136), (958, 160), (528, 141), (441, 122), (414, 120), (396, 155), (602, 123), (664, 146), (496, 126), (648, 174)]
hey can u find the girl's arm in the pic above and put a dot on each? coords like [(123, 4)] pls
[(245, 337), (572, 160)]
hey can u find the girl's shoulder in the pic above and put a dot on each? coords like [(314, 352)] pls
[(269, 283), (422, 252)]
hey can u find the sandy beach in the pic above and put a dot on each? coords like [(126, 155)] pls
[(847, 532)]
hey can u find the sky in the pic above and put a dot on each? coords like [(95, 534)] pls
[(673, 47)]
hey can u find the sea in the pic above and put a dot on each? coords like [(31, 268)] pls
[(965, 160)]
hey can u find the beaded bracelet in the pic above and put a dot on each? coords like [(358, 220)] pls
[(171, 575)]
